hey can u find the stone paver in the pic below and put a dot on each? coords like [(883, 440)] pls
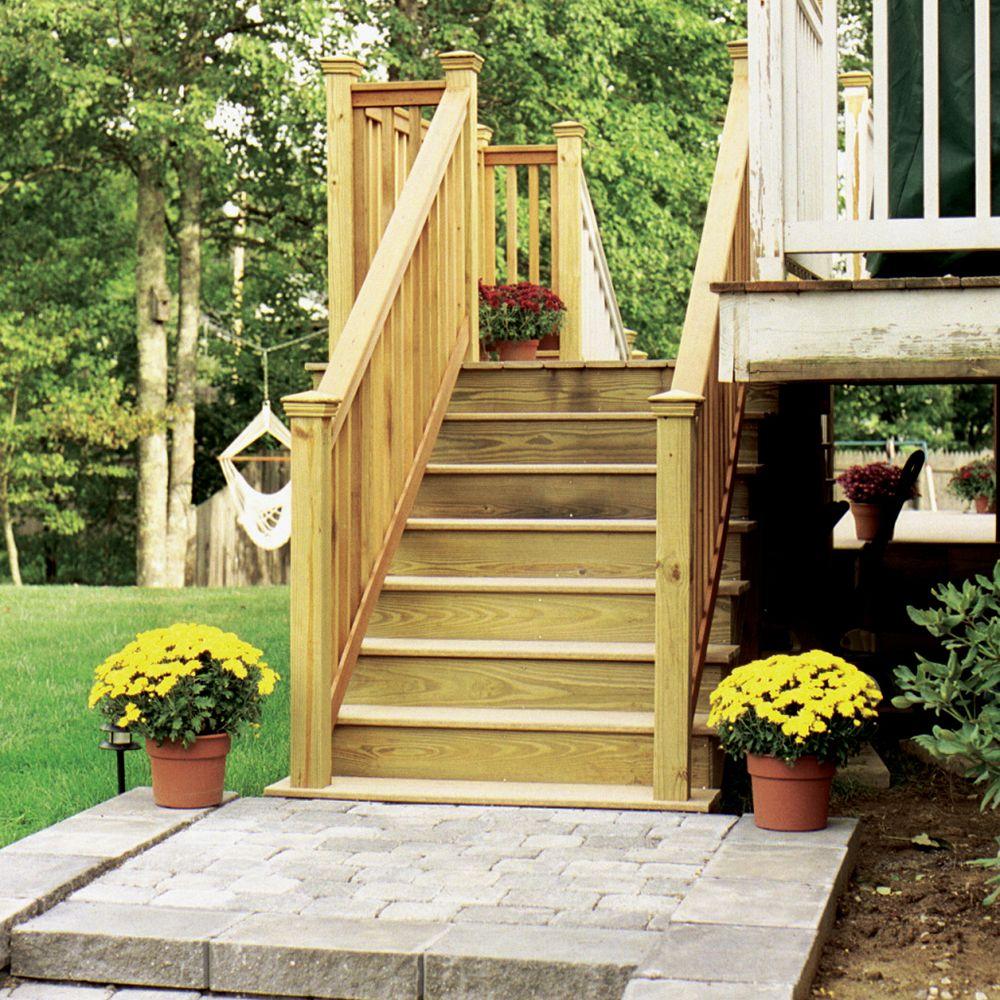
[(373, 900), (41, 869)]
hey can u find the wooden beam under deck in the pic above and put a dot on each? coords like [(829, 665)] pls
[(891, 330)]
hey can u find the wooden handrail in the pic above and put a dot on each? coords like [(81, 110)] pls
[(362, 439), (697, 449)]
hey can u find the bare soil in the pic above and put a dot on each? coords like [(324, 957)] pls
[(911, 922)]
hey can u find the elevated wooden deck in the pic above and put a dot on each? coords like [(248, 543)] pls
[(874, 330)]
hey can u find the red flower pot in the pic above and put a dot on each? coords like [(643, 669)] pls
[(550, 342), (516, 350), (793, 797), (984, 506), (189, 777), (867, 520)]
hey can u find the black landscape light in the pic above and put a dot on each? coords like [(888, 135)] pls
[(120, 740)]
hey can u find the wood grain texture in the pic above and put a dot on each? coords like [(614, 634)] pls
[(535, 494), (541, 389), (513, 439)]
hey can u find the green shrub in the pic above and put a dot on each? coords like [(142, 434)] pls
[(963, 689)]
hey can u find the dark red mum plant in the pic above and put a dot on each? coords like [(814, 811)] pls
[(873, 483), (518, 312)]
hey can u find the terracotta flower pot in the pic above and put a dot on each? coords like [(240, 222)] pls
[(867, 519), (794, 797), (985, 506), (189, 777), (550, 342), (516, 350)]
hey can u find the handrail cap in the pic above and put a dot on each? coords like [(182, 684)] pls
[(856, 78), (336, 65), (311, 404), (569, 130), (460, 59), (483, 135), (676, 402)]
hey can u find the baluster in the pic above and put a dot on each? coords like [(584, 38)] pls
[(534, 263), (512, 275)]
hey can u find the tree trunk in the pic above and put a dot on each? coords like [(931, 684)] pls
[(13, 562), (152, 308), (185, 372)]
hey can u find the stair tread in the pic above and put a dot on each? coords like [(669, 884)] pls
[(504, 719), (717, 653), (503, 793), (542, 584), (552, 363), (531, 524), (539, 468), (553, 415)]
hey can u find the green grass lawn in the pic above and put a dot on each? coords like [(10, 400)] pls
[(51, 638)]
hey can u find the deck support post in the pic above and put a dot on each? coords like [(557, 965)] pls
[(569, 238), (461, 72), (338, 76), (676, 497), (314, 599)]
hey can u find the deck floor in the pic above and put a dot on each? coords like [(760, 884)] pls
[(302, 898)]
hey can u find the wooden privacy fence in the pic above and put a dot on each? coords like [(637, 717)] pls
[(795, 146), (361, 440), (697, 444)]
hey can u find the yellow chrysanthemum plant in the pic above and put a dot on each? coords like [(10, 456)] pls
[(175, 684), (810, 704)]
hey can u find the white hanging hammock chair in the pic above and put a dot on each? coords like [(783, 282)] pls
[(265, 517)]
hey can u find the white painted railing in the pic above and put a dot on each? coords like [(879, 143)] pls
[(795, 182), (603, 333)]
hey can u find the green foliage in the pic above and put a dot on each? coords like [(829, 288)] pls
[(964, 686)]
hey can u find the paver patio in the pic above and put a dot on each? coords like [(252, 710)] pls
[(304, 898)]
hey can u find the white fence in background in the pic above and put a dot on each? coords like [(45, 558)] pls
[(795, 188)]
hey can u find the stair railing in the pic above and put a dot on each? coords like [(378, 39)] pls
[(399, 212), (572, 261), (697, 445)]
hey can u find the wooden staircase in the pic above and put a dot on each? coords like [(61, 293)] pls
[(510, 654)]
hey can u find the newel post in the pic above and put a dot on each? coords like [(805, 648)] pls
[(676, 413), (338, 75), (313, 619), (461, 72), (569, 238)]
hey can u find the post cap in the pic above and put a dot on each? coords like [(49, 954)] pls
[(569, 130), (311, 404), (341, 65), (461, 59), (737, 49), (483, 135), (856, 78), (676, 403)]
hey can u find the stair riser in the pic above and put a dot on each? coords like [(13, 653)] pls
[(536, 495), (475, 754), (524, 616), (503, 683), (558, 390), (556, 441), (526, 553)]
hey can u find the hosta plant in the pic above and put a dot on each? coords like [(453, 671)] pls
[(178, 683), (810, 704), (518, 312), (962, 686)]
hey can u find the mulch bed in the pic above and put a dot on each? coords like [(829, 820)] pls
[(911, 922)]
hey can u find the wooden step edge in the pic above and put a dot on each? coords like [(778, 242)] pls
[(497, 719), (733, 588), (497, 793), (538, 416), (519, 584), (542, 469), (748, 469), (656, 363), (741, 526), (555, 524), (716, 654)]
